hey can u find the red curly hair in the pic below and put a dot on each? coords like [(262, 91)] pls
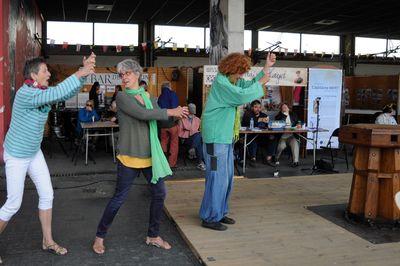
[(234, 63)]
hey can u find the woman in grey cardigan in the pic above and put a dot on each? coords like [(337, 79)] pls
[(139, 150)]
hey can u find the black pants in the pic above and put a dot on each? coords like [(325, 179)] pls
[(126, 176)]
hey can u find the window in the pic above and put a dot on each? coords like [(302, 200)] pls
[(246, 39), (291, 41), (393, 44), (116, 34), (71, 32), (192, 36), (366, 46), (320, 43)]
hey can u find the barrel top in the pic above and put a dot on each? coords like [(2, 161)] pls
[(390, 129)]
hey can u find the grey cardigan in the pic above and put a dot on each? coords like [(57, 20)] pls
[(133, 118)]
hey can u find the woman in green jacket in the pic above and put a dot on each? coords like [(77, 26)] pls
[(220, 127)]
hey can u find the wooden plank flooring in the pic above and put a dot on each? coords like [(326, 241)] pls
[(274, 227)]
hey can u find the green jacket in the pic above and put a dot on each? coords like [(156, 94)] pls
[(133, 117), (219, 115)]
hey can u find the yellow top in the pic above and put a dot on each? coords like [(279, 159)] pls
[(134, 162)]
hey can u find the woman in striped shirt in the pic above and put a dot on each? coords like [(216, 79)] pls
[(22, 152)]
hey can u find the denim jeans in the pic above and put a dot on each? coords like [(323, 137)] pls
[(126, 176), (219, 181), (196, 142)]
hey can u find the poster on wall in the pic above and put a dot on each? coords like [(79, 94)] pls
[(325, 87), (280, 76)]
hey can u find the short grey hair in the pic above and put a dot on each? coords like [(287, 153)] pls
[(33, 66), (130, 65)]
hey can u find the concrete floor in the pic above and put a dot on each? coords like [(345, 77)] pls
[(81, 193)]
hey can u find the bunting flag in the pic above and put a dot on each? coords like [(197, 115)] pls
[(155, 45), (185, 49), (279, 50), (144, 46), (162, 45), (65, 45), (323, 54), (305, 52), (118, 48), (332, 55), (359, 55), (131, 47), (295, 52), (208, 49), (175, 47), (105, 48), (197, 49), (286, 51), (314, 53), (78, 47), (52, 42)]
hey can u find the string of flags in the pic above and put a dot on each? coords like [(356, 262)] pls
[(159, 44)]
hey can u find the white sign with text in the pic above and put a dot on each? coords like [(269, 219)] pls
[(325, 91)]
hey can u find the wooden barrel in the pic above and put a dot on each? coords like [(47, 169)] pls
[(376, 170)]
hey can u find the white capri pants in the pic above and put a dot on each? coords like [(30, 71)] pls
[(16, 169)]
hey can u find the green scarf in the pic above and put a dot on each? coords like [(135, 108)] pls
[(159, 163), (236, 126)]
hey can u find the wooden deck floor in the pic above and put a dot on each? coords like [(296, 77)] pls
[(274, 227)]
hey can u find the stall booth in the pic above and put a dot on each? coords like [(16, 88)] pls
[(299, 88), (365, 96)]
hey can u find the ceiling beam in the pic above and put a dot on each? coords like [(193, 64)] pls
[(180, 12), (269, 15), (87, 10), (134, 11), (63, 9), (196, 17), (159, 10), (109, 14)]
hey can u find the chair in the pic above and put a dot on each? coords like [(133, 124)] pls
[(341, 148)]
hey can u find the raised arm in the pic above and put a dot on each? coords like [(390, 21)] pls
[(66, 89)]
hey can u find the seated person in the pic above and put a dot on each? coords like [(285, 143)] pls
[(288, 139), (260, 120), (86, 114), (189, 132), (111, 114), (386, 118)]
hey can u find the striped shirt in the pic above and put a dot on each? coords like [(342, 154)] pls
[(29, 115)]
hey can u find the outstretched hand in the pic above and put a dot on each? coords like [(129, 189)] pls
[(89, 65), (270, 60)]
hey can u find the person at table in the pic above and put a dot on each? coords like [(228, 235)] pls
[(189, 132), (143, 84), (220, 127), (94, 94), (22, 153), (117, 89), (288, 139), (264, 141), (139, 151), (85, 115), (170, 135), (386, 118)]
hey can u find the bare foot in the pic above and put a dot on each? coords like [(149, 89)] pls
[(98, 245), (158, 242)]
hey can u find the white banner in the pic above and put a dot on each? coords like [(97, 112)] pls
[(280, 76), (107, 79), (325, 85)]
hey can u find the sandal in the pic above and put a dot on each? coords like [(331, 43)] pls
[(55, 249), (97, 248), (158, 242)]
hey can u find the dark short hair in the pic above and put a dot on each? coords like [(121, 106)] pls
[(255, 102), (387, 109), (33, 66)]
